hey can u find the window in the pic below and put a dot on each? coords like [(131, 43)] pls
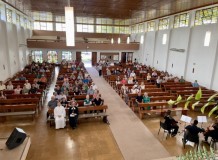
[(207, 39), (151, 26), (104, 29), (60, 19), (181, 20), (60, 27), (141, 27), (52, 56), (9, 15), (85, 28), (164, 39), (85, 20), (43, 26), (206, 16), (134, 29), (163, 24), (42, 16), (18, 18), (37, 56), (66, 55)]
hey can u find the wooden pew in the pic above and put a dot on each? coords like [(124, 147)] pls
[(84, 113), (17, 110), (143, 108)]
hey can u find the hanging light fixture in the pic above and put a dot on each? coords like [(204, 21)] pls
[(69, 22), (128, 40), (119, 40), (112, 41)]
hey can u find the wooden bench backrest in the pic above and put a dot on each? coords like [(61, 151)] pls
[(92, 108), (19, 101), (18, 107)]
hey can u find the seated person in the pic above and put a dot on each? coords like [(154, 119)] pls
[(148, 77), (10, 86), (146, 99), (59, 115), (130, 80), (212, 131), (132, 74), (73, 114), (134, 90), (27, 85), (2, 86), (158, 81), (97, 101), (33, 89), (181, 80), (87, 101), (2, 95), (139, 98), (17, 90), (142, 85), (154, 74), (58, 90), (64, 102), (171, 123), (195, 84), (52, 104), (22, 78), (77, 91), (90, 91), (85, 88), (191, 132), (42, 80), (124, 81)]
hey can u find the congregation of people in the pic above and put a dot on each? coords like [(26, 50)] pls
[(72, 81)]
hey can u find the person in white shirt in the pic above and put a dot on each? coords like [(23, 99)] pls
[(10, 86), (59, 115), (142, 86), (158, 81), (132, 74), (27, 85), (134, 90), (94, 86), (2, 86), (148, 77)]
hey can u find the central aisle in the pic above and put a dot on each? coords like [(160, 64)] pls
[(134, 139)]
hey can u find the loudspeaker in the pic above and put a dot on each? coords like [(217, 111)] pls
[(16, 138)]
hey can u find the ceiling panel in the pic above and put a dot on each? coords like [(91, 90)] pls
[(122, 9)]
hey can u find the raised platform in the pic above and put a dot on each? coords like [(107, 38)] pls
[(18, 153)]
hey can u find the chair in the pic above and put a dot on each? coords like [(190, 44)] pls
[(189, 137), (163, 125)]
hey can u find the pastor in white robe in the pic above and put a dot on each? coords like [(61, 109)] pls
[(59, 115)]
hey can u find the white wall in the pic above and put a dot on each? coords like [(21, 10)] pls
[(161, 50), (177, 60), (149, 48), (201, 58), (196, 56), (12, 56), (4, 60)]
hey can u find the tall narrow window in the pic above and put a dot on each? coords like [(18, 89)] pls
[(37, 56), (164, 40), (52, 56), (9, 15), (163, 24), (142, 39), (207, 39)]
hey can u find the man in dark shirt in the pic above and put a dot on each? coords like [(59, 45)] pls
[(192, 131), (139, 98), (171, 123), (97, 101), (212, 131)]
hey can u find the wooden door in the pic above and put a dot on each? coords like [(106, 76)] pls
[(94, 58), (123, 57), (78, 57)]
